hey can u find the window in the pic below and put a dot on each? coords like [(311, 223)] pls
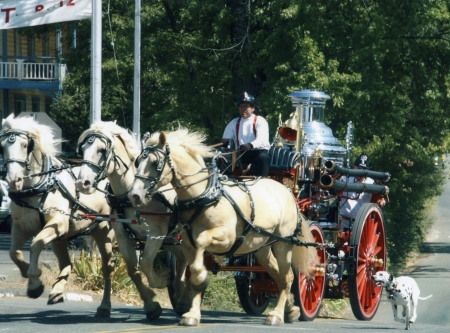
[(17, 43), (45, 45), (31, 46), (48, 104), (35, 104), (20, 104)]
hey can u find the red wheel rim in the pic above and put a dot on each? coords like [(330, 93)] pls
[(311, 290), (371, 257)]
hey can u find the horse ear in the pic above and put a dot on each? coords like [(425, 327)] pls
[(162, 139)]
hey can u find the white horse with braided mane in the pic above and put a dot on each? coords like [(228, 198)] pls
[(110, 151), (217, 213), (45, 206)]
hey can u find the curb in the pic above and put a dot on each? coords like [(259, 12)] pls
[(71, 297)]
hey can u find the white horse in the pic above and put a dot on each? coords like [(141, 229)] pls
[(225, 218), (45, 205), (109, 150)]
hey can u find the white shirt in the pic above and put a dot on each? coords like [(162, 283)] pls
[(246, 133), (350, 207)]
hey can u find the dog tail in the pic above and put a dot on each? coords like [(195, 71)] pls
[(424, 298)]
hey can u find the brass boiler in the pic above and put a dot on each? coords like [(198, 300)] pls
[(306, 130)]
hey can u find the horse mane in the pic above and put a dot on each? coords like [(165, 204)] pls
[(193, 142), (111, 129), (42, 135)]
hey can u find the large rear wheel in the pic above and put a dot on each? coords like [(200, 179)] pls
[(368, 247), (308, 292)]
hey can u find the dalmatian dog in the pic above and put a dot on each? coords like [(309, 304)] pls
[(402, 290)]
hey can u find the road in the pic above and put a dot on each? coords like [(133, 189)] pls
[(431, 271)]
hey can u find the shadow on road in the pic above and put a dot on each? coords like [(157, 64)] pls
[(433, 247)]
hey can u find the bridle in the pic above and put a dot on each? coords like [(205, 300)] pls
[(108, 155), (161, 164), (12, 139)]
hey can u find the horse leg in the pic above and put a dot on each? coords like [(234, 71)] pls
[(155, 280), (103, 236), (18, 239), (197, 284), (127, 248), (62, 254), (35, 286), (279, 269)]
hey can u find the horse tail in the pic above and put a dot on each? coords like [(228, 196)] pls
[(305, 257)]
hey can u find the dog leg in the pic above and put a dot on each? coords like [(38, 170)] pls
[(414, 302), (396, 318), (407, 314)]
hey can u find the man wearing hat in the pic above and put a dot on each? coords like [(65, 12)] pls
[(250, 133), (351, 202)]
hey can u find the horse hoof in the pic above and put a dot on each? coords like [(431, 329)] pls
[(273, 321), (155, 314), (185, 321), (55, 298), (292, 316), (103, 313), (35, 293)]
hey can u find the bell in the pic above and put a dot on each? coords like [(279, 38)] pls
[(289, 131)]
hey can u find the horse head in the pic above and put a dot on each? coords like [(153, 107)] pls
[(153, 171), (166, 155), (107, 151), (22, 149)]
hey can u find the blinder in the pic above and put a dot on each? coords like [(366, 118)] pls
[(12, 138), (147, 150), (90, 139)]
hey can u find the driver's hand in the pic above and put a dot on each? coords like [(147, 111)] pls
[(246, 147), (225, 142)]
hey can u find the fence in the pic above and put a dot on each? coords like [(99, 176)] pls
[(25, 70)]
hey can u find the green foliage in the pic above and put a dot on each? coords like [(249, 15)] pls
[(221, 293), (89, 275)]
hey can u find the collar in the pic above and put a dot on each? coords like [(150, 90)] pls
[(251, 118)]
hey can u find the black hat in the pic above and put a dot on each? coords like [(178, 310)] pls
[(246, 98), (362, 161)]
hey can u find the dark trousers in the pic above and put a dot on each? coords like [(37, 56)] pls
[(259, 159)]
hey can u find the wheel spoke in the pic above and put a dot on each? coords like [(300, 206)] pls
[(377, 250)]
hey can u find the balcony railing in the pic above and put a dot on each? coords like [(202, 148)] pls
[(33, 71)]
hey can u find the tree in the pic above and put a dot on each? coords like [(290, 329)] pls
[(384, 63)]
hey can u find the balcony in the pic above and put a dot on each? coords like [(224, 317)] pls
[(27, 74)]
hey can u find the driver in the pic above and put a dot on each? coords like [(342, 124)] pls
[(250, 133)]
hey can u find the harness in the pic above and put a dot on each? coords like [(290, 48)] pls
[(119, 203), (238, 124), (212, 195), (50, 183)]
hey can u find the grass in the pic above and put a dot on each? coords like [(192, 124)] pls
[(88, 271)]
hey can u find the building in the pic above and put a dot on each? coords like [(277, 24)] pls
[(30, 71)]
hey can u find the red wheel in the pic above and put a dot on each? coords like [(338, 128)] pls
[(368, 247), (308, 293)]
